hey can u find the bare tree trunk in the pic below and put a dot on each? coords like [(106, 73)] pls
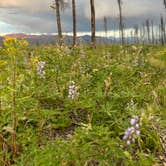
[(74, 24), (136, 34), (58, 16), (105, 25), (165, 4), (144, 33), (160, 36), (93, 25), (156, 37), (153, 39), (114, 40), (105, 29), (141, 35), (162, 31), (121, 21), (131, 36), (148, 30)]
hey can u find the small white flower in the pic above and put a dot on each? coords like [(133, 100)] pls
[(124, 137), (128, 142), (132, 102), (135, 117), (133, 140), (40, 69), (133, 121), (137, 126), (72, 82), (137, 132), (132, 129), (72, 90)]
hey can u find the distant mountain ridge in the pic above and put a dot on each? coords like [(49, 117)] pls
[(46, 39), (20, 36)]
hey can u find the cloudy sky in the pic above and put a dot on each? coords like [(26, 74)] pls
[(35, 16)]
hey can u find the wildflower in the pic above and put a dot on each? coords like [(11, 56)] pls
[(131, 104), (137, 132), (128, 142), (40, 69), (136, 62), (134, 120), (137, 126), (132, 132), (72, 90)]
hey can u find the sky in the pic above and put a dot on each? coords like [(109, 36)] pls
[(36, 16)]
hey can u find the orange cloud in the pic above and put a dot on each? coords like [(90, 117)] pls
[(34, 5)]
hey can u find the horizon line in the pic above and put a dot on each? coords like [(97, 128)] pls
[(109, 33)]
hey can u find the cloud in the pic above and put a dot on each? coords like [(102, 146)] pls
[(131, 8), (36, 15), (27, 5)]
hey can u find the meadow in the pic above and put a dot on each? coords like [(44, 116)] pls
[(62, 106)]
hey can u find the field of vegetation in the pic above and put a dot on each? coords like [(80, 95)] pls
[(62, 106)]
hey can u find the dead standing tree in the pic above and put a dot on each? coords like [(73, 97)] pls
[(162, 26), (58, 19), (136, 37), (93, 24), (121, 24), (105, 25), (58, 6), (165, 4), (105, 22), (74, 24), (153, 37), (148, 30)]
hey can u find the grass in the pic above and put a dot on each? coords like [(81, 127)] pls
[(41, 125)]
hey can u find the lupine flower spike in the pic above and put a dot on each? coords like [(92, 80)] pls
[(132, 132), (72, 90)]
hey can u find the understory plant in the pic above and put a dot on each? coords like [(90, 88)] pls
[(81, 106)]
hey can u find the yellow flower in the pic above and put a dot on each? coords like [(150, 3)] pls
[(10, 42), (95, 70), (14, 43), (34, 60), (14, 47), (2, 63)]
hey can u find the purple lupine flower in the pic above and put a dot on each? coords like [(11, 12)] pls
[(72, 90), (133, 131)]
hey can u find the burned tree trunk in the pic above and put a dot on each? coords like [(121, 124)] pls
[(74, 24), (105, 26), (148, 30), (143, 34), (162, 31), (136, 34), (153, 39), (121, 24), (93, 25), (165, 4), (160, 36), (58, 17)]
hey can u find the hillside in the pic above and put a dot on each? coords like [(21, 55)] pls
[(82, 106), (52, 39)]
